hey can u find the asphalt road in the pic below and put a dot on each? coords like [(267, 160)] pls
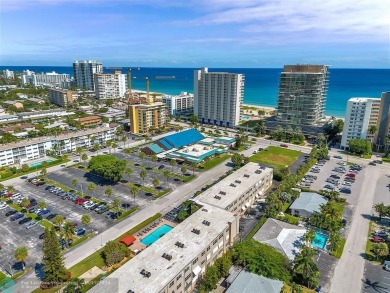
[(376, 279)]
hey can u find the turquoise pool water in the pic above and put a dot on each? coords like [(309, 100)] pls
[(245, 117), (320, 240), (37, 164), (156, 234)]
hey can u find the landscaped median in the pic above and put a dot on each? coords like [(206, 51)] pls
[(96, 259)]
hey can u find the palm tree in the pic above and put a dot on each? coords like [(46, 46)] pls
[(142, 156), (134, 190), (79, 150), (68, 231), (74, 285), (309, 236), (58, 220), (334, 240), (183, 170), (116, 204), (166, 174), (127, 151), (114, 145), (84, 157), (304, 264), (75, 182), (381, 250), (91, 186), (193, 166), (21, 253), (172, 162), (25, 202), (42, 205), (109, 144), (43, 172), (124, 139), (86, 220), (154, 159), (108, 192), (143, 174), (156, 182), (128, 171)]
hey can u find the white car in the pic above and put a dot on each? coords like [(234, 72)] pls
[(89, 204), (346, 183), (20, 199), (31, 224), (16, 195), (3, 205)]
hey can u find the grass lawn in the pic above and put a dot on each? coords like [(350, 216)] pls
[(339, 251), (250, 123), (370, 255), (276, 156), (2, 276), (214, 162), (46, 224), (289, 219), (285, 206)]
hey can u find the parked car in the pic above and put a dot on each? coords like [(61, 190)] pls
[(31, 225), (381, 234), (113, 215), (315, 170), (94, 207), (351, 175), (377, 239), (347, 183), (372, 163), (311, 176), (25, 220), (10, 213), (335, 176), (79, 231), (17, 217), (329, 186), (87, 205), (43, 212), (42, 236), (338, 157), (283, 145), (51, 216), (102, 210), (161, 167), (345, 190), (8, 195)]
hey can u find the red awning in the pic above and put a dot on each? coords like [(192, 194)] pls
[(128, 240)]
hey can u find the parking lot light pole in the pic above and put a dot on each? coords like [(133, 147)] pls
[(10, 267), (82, 194)]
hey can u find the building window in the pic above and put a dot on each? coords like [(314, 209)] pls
[(171, 284)]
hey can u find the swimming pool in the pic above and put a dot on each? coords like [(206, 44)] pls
[(245, 117), (156, 234), (37, 164), (320, 240)]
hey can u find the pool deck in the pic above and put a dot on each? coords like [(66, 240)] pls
[(137, 245), (39, 160)]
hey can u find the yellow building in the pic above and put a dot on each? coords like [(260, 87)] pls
[(146, 116)]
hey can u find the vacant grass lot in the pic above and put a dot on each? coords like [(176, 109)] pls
[(276, 156)]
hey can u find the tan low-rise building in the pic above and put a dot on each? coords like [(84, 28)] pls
[(91, 120)]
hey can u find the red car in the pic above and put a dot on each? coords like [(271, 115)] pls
[(8, 195), (80, 201), (283, 145), (377, 239), (351, 175)]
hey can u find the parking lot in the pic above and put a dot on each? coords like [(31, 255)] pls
[(14, 235), (326, 264), (373, 273)]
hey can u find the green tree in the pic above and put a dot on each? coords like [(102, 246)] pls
[(96, 147), (58, 220), (381, 250), (183, 170), (143, 174), (166, 175), (108, 166), (42, 205), (86, 220), (11, 189), (116, 204), (142, 156), (334, 240), (25, 168), (79, 150), (296, 288), (113, 253), (172, 162), (128, 171), (304, 266), (91, 186), (381, 209), (84, 157), (134, 190), (223, 265), (193, 119), (25, 202), (193, 166), (68, 231), (360, 146), (53, 260), (75, 182), (21, 253), (309, 236), (43, 172), (210, 279), (156, 182), (154, 159), (182, 215), (108, 192), (74, 285), (237, 160)]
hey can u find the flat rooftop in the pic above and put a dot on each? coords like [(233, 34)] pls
[(162, 270), (233, 192), (50, 138), (362, 99), (195, 150)]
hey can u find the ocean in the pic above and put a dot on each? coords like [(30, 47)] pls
[(261, 84)]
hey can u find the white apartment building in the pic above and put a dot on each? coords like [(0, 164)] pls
[(110, 85), (181, 104), (84, 73), (8, 74), (26, 150), (176, 261), (61, 97), (360, 114), (218, 97), (47, 79), (238, 191), (44, 114)]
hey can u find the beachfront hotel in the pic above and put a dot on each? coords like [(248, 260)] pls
[(23, 151), (218, 97), (147, 116), (302, 94), (84, 73), (46, 79), (360, 114), (110, 85)]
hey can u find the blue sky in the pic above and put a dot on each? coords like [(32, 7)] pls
[(194, 33)]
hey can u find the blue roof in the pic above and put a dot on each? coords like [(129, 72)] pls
[(155, 148), (165, 144), (183, 138)]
